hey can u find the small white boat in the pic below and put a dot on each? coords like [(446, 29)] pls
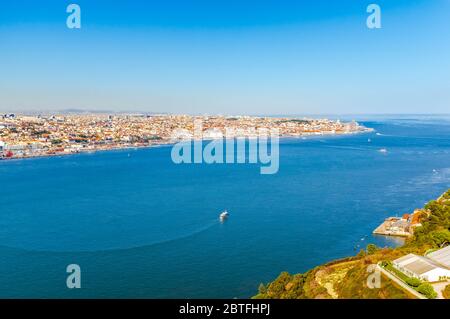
[(369, 140), (383, 150), (223, 216)]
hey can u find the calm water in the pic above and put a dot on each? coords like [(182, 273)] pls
[(141, 226)]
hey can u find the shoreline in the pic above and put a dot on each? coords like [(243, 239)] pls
[(348, 277), (168, 143)]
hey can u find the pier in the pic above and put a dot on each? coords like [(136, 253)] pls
[(400, 226), (389, 228)]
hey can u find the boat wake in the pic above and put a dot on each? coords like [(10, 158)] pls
[(193, 233), (351, 148), (413, 137)]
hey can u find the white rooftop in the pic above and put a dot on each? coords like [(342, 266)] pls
[(441, 256), (416, 264)]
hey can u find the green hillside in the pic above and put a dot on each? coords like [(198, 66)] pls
[(347, 278)]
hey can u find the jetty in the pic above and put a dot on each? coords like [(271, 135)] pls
[(400, 226)]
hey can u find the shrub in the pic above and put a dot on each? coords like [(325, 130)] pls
[(262, 289), (413, 282), (361, 253), (446, 292), (427, 290), (440, 238), (371, 249), (56, 141)]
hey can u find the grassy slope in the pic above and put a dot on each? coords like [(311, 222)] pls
[(347, 278)]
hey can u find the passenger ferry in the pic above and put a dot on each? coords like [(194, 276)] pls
[(223, 216)]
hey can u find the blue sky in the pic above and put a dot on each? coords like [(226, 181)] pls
[(226, 57)]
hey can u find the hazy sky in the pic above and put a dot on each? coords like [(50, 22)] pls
[(226, 56)]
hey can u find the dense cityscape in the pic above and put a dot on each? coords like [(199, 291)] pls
[(38, 135)]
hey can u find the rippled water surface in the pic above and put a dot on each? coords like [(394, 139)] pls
[(141, 226)]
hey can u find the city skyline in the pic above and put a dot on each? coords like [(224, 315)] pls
[(197, 57)]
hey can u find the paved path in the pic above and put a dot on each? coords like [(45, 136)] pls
[(439, 287), (401, 283)]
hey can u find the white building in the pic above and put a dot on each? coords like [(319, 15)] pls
[(2, 146), (17, 147), (441, 256), (433, 267)]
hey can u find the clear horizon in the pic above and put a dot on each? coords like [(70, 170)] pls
[(226, 57), (120, 112)]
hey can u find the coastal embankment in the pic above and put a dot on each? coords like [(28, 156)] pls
[(348, 278)]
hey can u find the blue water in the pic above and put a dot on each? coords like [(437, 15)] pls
[(140, 226)]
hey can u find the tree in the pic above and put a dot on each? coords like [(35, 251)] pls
[(440, 238), (427, 290), (361, 253), (440, 215), (262, 289), (56, 141), (413, 282), (277, 287), (446, 292), (371, 249)]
